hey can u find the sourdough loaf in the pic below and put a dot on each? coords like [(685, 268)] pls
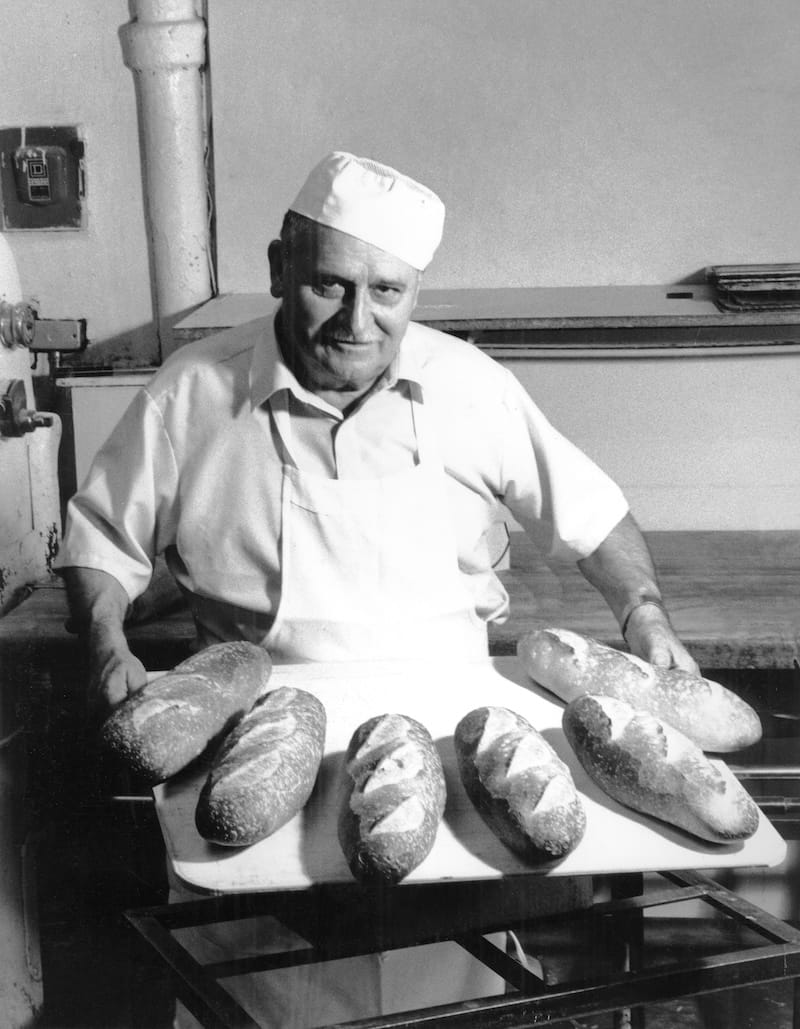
[(265, 769), (649, 766), (518, 784), (393, 798), (159, 730), (571, 665)]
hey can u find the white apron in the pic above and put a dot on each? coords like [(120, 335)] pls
[(370, 566), (369, 571)]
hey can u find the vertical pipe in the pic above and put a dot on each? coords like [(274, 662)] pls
[(164, 46)]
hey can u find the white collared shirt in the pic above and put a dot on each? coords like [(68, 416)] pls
[(193, 469)]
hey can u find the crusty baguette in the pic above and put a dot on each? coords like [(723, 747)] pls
[(393, 798), (518, 784), (649, 766), (265, 769), (159, 730), (571, 665)]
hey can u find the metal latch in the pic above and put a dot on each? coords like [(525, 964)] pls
[(21, 326), (15, 417)]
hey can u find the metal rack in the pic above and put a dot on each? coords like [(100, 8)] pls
[(367, 920)]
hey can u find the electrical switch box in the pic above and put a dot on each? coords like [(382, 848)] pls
[(42, 178)]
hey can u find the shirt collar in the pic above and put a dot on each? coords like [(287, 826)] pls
[(269, 373)]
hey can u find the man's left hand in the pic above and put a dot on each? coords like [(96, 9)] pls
[(651, 637)]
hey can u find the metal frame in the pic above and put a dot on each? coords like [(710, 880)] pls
[(371, 922), (782, 811)]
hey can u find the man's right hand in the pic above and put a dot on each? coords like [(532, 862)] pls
[(114, 672)]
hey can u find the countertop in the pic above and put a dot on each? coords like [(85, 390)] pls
[(734, 598)]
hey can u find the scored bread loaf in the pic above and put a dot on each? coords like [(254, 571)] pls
[(265, 769), (518, 784), (570, 665), (649, 766), (393, 798), (164, 726)]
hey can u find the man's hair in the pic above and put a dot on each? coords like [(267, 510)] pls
[(294, 225)]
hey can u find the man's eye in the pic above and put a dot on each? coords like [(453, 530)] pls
[(328, 289), (386, 291)]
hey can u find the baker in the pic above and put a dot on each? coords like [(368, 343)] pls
[(323, 482)]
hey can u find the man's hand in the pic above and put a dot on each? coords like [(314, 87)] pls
[(114, 672), (651, 637), (98, 604)]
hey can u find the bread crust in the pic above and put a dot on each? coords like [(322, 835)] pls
[(571, 665), (392, 800), (265, 770), (649, 766), (518, 784), (159, 730)]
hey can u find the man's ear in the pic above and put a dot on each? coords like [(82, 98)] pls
[(275, 255)]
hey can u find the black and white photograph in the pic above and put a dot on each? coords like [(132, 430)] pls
[(399, 514)]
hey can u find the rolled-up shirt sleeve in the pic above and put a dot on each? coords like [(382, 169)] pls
[(553, 489), (123, 515)]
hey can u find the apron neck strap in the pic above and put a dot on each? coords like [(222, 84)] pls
[(422, 427), (278, 407)]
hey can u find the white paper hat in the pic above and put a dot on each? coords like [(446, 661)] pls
[(376, 204)]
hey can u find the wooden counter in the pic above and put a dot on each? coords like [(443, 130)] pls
[(734, 598)]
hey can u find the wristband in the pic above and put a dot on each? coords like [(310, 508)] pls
[(634, 605)]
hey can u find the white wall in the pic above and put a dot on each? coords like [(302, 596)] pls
[(696, 443), (62, 65), (574, 142)]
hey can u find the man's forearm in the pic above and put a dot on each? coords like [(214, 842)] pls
[(95, 598), (622, 569)]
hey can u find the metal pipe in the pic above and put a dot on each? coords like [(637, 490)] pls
[(766, 771), (164, 46)]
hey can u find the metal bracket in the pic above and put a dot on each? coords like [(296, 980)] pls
[(21, 326), (59, 334), (15, 417)]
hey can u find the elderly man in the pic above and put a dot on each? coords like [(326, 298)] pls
[(323, 482)]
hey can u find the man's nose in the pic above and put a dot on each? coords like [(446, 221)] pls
[(359, 314)]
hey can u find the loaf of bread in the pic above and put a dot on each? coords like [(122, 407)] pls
[(393, 798), (159, 730), (518, 784), (647, 765), (265, 769), (571, 665)]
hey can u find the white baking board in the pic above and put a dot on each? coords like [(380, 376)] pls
[(306, 850)]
